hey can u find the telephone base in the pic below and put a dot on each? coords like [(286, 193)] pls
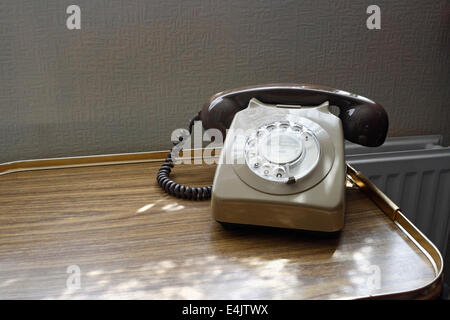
[(278, 216), (265, 139)]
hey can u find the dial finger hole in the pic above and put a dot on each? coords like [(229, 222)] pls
[(280, 172), (261, 133), (251, 144), (266, 169)]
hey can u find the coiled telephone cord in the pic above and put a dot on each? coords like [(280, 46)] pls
[(176, 189)]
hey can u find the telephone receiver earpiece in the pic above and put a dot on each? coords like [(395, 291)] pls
[(364, 121)]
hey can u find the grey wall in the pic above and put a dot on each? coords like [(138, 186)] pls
[(138, 69)]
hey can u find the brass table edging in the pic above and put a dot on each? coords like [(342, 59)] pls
[(83, 161), (101, 160), (415, 235), (430, 290)]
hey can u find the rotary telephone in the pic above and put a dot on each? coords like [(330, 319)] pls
[(282, 163)]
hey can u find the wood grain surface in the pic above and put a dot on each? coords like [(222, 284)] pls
[(132, 241)]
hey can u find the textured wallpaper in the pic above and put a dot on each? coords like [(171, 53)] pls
[(139, 69)]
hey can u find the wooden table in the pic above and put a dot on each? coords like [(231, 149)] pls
[(130, 240)]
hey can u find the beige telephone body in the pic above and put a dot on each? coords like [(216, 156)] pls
[(282, 166)]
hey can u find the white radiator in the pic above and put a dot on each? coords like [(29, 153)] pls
[(415, 173)]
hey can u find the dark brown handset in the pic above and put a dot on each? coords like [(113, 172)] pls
[(282, 163)]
